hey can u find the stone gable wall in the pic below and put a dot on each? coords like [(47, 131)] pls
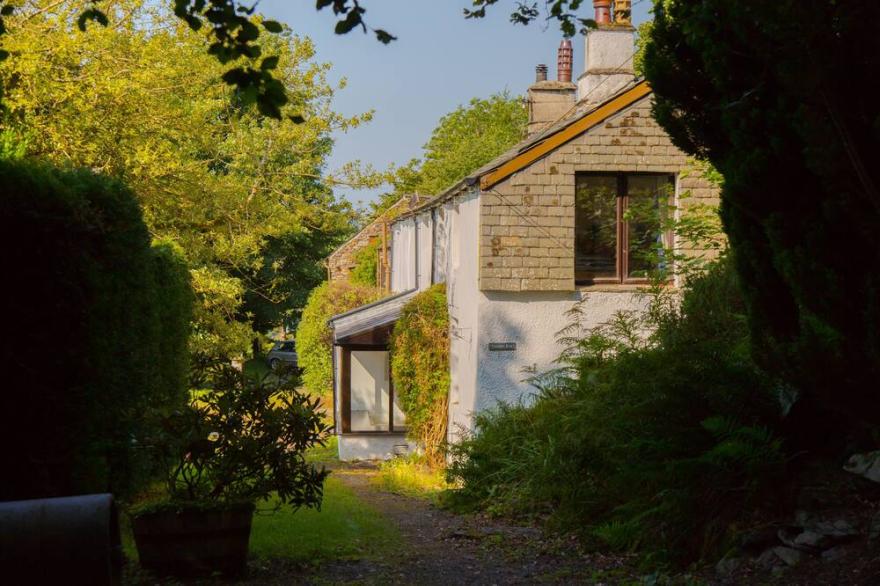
[(527, 220)]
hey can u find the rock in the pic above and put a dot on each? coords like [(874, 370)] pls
[(835, 553), (811, 540), (789, 555), (758, 540), (837, 527), (728, 566), (866, 465), (768, 559), (808, 541)]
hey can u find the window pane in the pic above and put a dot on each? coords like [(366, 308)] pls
[(646, 214), (369, 390), (399, 416), (595, 227)]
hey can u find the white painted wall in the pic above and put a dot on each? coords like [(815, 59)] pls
[(403, 248), (463, 217), (532, 320), (373, 447), (424, 235), (442, 238)]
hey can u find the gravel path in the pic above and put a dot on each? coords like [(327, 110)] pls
[(446, 548)]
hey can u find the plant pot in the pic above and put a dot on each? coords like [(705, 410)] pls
[(194, 541)]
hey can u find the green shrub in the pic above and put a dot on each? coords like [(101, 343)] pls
[(656, 444), (96, 331), (314, 340), (420, 369), (366, 265)]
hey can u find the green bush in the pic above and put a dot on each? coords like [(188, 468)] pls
[(96, 332), (657, 444), (420, 369), (314, 340), (366, 265)]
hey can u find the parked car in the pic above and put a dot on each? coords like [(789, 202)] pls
[(282, 354)]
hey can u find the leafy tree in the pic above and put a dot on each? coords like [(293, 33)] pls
[(140, 100), (235, 32), (777, 95), (463, 140)]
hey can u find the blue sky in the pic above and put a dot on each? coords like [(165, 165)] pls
[(440, 60)]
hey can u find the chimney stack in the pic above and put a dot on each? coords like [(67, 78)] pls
[(549, 100), (603, 12), (608, 53), (540, 73), (563, 61)]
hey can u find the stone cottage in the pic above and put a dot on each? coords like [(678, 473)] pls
[(551, 222)]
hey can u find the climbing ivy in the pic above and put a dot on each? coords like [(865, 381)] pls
[(420, 369), (366, 264)]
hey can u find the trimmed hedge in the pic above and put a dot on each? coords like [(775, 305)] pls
[(420, 369), (96, 328)]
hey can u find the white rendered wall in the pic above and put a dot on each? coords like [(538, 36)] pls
[(463, 217), (424, 235), (403, 248), (441, 241), (373, 447), (532, 321)]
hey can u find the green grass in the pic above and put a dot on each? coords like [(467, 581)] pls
[(346, 527), (325, 454), (409, 476)]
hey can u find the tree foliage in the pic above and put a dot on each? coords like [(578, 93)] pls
[(234, 30), (777, 95), (97, 330), (246, 198), (314, 339), (420, 370), (463, 140)]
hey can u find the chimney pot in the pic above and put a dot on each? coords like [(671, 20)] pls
[(541, 73), (563, 61), (603, 11)]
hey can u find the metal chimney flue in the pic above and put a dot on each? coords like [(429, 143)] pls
[(540, 73), (603, 11), (564, 61)]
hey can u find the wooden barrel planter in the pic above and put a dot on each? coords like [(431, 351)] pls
[(194, 541)]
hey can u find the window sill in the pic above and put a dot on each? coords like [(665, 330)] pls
[(373, 433), (615, 287)]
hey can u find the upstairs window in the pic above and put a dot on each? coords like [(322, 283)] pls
[(620, 220)]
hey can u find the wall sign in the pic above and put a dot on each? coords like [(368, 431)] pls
[(502, 346)]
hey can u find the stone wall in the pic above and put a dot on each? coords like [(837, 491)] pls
[(527, 220)]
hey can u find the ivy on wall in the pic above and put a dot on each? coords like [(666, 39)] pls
[(420, 369), (366, 265)]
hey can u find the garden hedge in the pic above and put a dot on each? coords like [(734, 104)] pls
[(96, 326)]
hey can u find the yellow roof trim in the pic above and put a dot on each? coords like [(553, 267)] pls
[(527, 157)]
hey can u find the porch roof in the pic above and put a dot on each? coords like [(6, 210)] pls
[(369, 317)]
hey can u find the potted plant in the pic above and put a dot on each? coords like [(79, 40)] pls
[(240, 443)]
